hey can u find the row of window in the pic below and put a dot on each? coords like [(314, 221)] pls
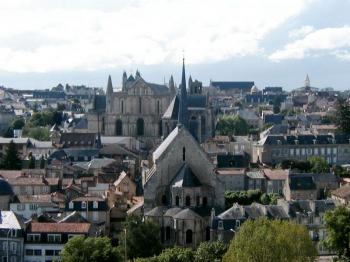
[(140, 127), (305, 151), (13, 246), (83, 205), (38, 252), (51, 238), (188, 201), (22, 207)]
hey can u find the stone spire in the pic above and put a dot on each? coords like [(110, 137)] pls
[(109, 86), (183, 114), (172, 88), (125, 78), (190, 87), (109, 93), (137, 75), (307, 81)]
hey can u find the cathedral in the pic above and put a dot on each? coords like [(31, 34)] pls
[(137, 109), (181, 188), (150, 111)]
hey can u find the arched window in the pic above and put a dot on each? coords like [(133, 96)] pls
[(167, 233), (183, 154), (189, 236), (160, 128), (122, 106), (207, 234), (140, 105), (119, 128), (177, 200), (205, 201), (197, 201), (188, 201), (140, 127), (164, 201)]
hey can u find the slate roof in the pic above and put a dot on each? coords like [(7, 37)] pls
[(185, 178), (77, 139), (301, 182), (255, 174), (305, 139), (164, 145), (234, 212), (172, 110), (158, 211), (5, 188), (227, 85), (172, 211), (187, 214), (275, 174), (96, 163), (9, 220)]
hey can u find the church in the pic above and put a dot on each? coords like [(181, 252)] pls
[(181, 188), (137, 109)]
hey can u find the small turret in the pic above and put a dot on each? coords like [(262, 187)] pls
[(109, 93), (137, 75), (172, 88), (125, 78)]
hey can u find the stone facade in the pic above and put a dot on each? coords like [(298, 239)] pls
[(137, 109)]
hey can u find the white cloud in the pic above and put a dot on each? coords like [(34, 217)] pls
[(301, 32), (42, 36), (333, 41)]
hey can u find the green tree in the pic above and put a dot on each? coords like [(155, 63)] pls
[(271, 240), (90, 249), (232, 125), (42, 162), (142, 238), (338, 231), (342, 118), (31, 164), (210, 251), (11, 160), (318, 164), (18, 123), (176, 254), (39, 133)]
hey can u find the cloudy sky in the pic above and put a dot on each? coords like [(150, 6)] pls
[(271, 42)]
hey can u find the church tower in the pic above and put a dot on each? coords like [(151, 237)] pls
[(183, 111)]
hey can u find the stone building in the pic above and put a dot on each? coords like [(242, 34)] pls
[(198, 112), (137, 109), (181, 187)]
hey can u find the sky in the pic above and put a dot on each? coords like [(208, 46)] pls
[(271, 42)]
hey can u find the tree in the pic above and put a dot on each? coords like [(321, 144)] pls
[(39, 133), (318, 164), (271, 240), (142, 238), (11, 160), (31, 164), (342, 118), (210, 251), (338, 231), (18, 123), (92, 249), (176, 254), (232, 125)]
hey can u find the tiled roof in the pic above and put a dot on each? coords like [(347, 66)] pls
[(88, 198), (185, 178), (342, 192), (60, 227), (275, 174), (230, 171)]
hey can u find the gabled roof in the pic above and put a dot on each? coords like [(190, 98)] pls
[(185, 178), (158, 211), (227, 85), (9, 220), (164, 145)]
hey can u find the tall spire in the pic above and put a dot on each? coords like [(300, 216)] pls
[(125, 78), (172, 85), (109, 86), (307, 81), (183, 114)]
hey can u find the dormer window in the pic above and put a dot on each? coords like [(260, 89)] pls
[(220, 225), (296, 141), (95, 204), (71, 205), (83, 205)]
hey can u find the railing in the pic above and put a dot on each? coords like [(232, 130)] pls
[(150, 173)]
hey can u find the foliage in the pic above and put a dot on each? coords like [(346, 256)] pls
[(318, 164), (92, 249), (277, 104), (232, 125), (31, 164), (142, 238), (342, 117), (11, 160), (340, 171), (46, 118), (271, 240), (39, 133), (249, 197), (338, 231), (314, 164), (176, 254), (18, 123), (210, 251)]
